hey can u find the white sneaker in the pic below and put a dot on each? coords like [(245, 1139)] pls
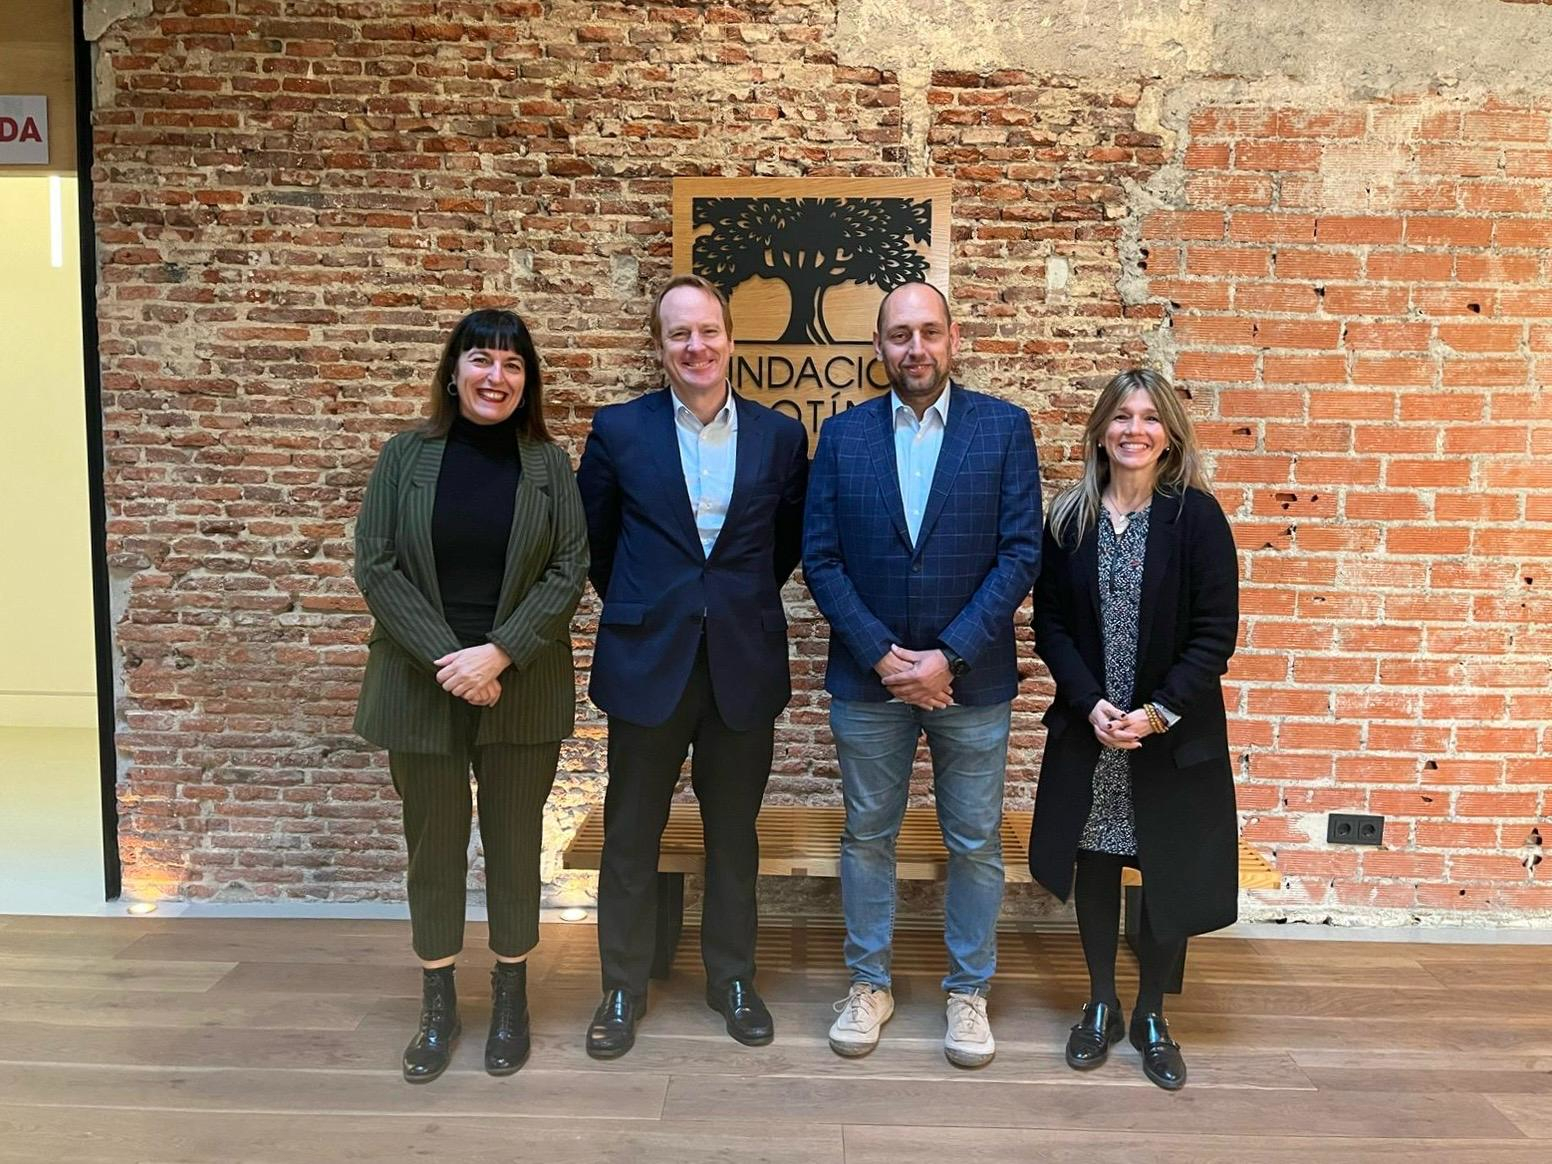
[(968, 1042), (862, 1012)]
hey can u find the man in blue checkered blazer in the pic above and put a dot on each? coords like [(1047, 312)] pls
[(921, 540)]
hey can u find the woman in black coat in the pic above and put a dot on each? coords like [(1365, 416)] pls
[(1136, 615)]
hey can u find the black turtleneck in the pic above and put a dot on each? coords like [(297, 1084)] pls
[(472, 522)]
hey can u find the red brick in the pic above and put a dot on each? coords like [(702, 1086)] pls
[(1280, 297), (1411, 266), (1389, 337), (1337, 228), (1505, 125), (1248, 226), (1421, 230), (1457, 160), (1215, 189), (1481, 337), (1332, 405), (1304, 369), (1366, 300), (1319, 334), (1442, 406), (1373, 370), (1450, 835), (1528, 233), (1428, 474), (1497, 268), (1208, 155), (1223, 367), (1486, 439), (1297, 263), (1276, 155), (1485, 372), (1499, 804), (1250, 262), (1410, 803), (1261, 402), (1384, 506), (1426, 540), (1233, 121), (1183, 224)]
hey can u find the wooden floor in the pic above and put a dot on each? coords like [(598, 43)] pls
[(278, 1040)]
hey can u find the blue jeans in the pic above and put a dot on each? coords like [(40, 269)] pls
[(875, 744)]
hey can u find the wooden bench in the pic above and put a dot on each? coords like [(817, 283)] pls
[(805, 841)]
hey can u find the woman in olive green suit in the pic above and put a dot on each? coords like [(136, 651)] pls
[(471, 552)]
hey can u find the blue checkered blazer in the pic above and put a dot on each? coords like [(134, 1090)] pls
[(974, 561)]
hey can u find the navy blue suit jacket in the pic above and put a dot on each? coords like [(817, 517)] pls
[(975, 559), (656, 581)]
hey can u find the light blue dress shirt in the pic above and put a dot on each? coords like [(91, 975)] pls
[(917, 445), (708, 454)]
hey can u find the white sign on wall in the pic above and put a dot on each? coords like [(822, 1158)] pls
[(24, 131)]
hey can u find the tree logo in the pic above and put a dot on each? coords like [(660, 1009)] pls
[(811, 245), (805, 264)]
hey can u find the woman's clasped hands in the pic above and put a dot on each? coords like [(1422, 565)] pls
[(1115, 728), (473, 674)]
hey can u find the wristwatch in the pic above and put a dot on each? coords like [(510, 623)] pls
[(956, 665)]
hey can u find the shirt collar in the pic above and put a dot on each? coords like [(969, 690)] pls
[(940, 406), (727, 414)]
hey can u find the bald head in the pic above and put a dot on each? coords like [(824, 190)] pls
[(917, 342), (912, 288)]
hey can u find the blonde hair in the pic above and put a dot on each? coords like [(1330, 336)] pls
[(1077, 510)]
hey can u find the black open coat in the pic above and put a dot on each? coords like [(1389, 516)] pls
[(1182, 781)]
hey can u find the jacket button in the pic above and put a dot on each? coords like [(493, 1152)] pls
[(916, 569)]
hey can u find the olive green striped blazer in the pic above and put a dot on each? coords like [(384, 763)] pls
[(402, 706)]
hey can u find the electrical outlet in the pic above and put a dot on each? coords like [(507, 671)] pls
[(1353, 828)]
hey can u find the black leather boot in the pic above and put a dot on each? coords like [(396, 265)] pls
[(431, 1050), (506, 1048)]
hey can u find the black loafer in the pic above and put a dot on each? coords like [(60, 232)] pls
[(1161, 1059), (1091, 1040), (613, 1029), (747, 1018)]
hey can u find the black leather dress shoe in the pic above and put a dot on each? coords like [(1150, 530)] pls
[(431, 1050), (1161, 1059), (506, 1047), (748, 1020), (1091, 1039), (613, 1030)]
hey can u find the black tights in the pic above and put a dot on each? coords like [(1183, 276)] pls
[(1097, 895)]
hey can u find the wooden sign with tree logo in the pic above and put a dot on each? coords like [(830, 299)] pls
[(805, 264)]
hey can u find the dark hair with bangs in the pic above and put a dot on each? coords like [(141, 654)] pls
[(495, 330)]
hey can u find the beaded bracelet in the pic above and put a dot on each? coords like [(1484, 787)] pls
[(1155, 719)]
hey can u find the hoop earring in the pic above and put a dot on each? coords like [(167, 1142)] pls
[(452, 388)]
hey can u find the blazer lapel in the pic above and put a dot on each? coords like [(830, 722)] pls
[(748, 465), (663, 455), (1085, 561), (957, 438), (881, 446), (418, 552), (528, 514), (1157, 561)]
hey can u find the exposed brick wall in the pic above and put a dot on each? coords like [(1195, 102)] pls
[(294, 200), (1359, 299)]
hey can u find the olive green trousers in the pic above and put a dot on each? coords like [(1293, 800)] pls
[(513, 782)]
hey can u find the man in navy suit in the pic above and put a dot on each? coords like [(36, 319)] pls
[(694, 500), (922, 539)]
